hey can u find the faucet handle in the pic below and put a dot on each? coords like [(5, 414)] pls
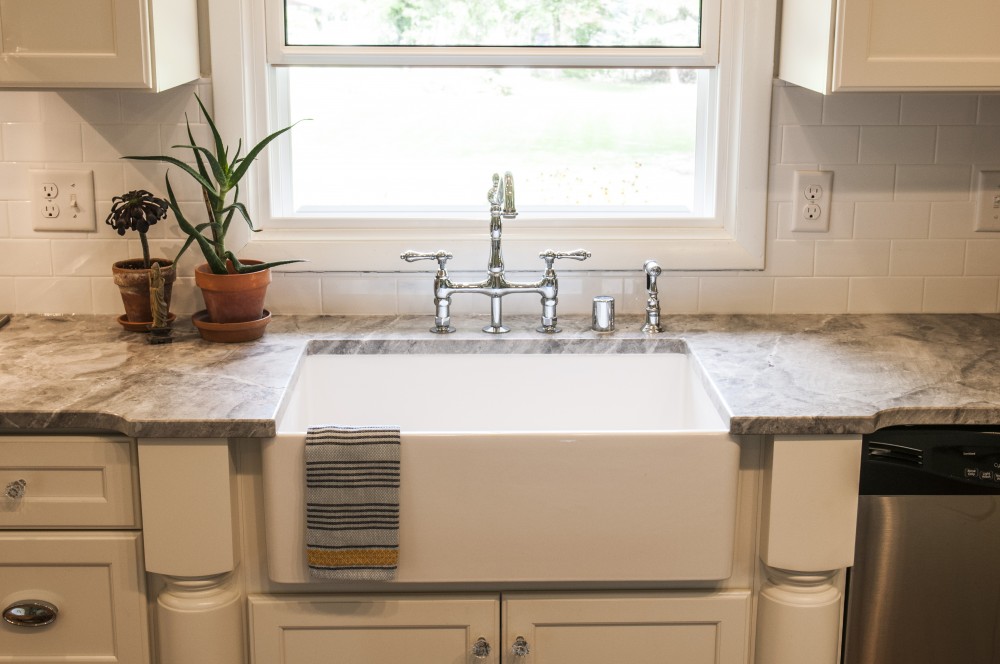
[(442, 257), (550, 256)]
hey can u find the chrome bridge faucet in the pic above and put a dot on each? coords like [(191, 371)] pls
[(495, 285)]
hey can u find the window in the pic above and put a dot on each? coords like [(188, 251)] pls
[(632, 127)]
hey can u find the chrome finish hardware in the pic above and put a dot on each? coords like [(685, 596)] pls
[(603, 318), (520, 647), (495, 285), (31, 613), (15, 490), (481, 648), (652, 270)]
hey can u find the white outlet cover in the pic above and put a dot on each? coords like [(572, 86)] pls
[(74, 199), (812, 193)]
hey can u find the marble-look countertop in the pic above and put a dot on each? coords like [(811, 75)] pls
[(776, 374)]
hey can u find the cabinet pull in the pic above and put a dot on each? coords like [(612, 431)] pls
[(520, 647), (31, 613), (15, 490), (481, 648)]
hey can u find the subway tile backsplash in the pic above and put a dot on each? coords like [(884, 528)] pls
[(901, 233)]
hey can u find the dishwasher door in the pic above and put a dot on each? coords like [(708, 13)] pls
[(925, 586)]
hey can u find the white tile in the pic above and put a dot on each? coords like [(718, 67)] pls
[(953, 220), (678, 295), (812, 145), (294, 294), (989, 109), (862, 182), (168, 106), (91, 106), (845, 258), (861, 109), (90, 258), (898, 145), (871, 295), (891, 220), (53, 295), (914, 258), (186, 298), (922, 108), (111, 142), (14, 180), (25, 257), (789, 258), (736, 295), (826, 295), (982, 257), (960, 295), (368, 294), (415, 294), (970, 144), (933, 183), (35, 141), (781, 182), (792, 105), (176, 134), (7, 303), (20, 106), (106, 297), (4, 221)]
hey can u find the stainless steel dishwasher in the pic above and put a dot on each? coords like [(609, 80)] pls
[(925, 586)]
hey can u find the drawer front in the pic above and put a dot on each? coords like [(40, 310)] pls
[(68, 482), (95, 582)]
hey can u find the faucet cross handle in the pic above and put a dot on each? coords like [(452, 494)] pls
[(550, 256)]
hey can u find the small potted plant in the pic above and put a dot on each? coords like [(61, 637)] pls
[(233, 290), (136, 211)]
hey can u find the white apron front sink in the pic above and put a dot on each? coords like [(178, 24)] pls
[(525, 467)]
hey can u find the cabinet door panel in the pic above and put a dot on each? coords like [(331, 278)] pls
[(695, 628), (373, 630), (917, 44)]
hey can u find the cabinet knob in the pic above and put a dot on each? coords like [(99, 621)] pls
[(481, 648), (31, 613), (520, 647), (15, 490)]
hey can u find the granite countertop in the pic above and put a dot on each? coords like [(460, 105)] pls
[(776, 374)]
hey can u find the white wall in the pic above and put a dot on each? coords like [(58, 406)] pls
[(900, 240)]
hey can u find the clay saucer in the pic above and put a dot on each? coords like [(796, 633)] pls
[(133, 326), (230, 332)]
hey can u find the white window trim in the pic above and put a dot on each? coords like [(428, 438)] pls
[(242, 108)]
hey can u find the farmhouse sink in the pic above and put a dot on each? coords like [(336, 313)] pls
[(525, 465)]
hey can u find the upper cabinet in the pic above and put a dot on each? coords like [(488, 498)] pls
[(844, 45), (150, 44)]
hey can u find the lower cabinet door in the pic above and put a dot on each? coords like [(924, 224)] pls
[(91, 583), (637, 628), (374, 629)]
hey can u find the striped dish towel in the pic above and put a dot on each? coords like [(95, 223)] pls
[(352, 502)]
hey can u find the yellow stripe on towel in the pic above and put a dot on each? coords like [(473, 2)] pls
[(353, 557)]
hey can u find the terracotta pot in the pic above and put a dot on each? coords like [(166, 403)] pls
[(233, 298), (132, 279)]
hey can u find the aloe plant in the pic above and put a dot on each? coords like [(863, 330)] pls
[(219, 176)]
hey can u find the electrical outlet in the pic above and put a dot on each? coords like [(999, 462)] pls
[(988, 201), (811, 196), (62, 200)]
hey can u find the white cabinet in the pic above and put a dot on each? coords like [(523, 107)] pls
[(151, 44), (69, 542), (831, 45), (563, 628)]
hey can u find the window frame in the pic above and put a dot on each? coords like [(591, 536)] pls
[(244, 99)]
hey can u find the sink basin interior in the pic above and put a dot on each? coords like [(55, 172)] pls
[(473, 392)]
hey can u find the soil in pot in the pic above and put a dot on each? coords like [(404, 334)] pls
[(132, 278), (233, 297)]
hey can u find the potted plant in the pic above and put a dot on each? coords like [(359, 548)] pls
[(136, 211), (233, 290)]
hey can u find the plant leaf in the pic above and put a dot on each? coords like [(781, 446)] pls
[(257, 267), (220, 175), (248, 160), (197, 157), (207, 247), (181, 165), (220, 147)]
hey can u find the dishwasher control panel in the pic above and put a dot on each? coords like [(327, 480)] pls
[(928, 458)]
